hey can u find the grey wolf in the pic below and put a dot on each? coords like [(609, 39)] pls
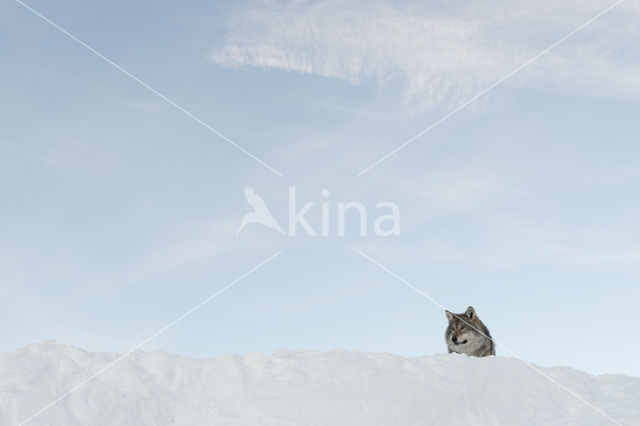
[(466, 334)]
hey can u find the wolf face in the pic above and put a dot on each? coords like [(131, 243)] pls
[(466, 334)]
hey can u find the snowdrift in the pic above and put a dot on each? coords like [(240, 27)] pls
[(303, 388)]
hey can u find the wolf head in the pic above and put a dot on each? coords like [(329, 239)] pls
[(466, 333)]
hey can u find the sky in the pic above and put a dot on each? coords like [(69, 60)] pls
[(120, 198)]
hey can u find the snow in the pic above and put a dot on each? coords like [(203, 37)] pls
[(303, 388)]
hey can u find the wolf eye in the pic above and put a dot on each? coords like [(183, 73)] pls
[(462, 327)]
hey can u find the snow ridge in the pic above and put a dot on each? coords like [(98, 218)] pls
[(303, 388)]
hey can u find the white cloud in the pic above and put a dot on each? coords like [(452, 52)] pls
[(445, 52)]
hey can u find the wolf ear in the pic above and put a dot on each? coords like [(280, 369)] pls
[(449, 315), (471, 313)]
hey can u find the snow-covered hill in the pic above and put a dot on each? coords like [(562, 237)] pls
[(303, 388)]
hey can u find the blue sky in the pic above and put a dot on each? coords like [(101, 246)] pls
[(119, 212)]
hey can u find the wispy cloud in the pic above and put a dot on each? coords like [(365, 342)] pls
[(444, 53), (204, 241), (454, 189)]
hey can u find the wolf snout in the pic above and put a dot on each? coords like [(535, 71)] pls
[(457, 341)]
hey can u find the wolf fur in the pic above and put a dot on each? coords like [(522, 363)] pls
[(466, 334)]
